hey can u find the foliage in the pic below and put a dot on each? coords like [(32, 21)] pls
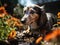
[(7, 25), (5, 29), (18, 11)]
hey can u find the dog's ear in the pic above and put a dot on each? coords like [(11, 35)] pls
[(42, 19), (42, 7)]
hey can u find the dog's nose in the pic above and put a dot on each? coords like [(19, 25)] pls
[(23, 21)]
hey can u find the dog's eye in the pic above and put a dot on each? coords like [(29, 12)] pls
[(32, 12)]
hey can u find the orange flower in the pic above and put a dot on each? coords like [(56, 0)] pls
[(16, 22), (2, 11), (54, 34), (38, 40), (12, 34)]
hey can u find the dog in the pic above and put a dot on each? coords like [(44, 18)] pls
[(36, 17)]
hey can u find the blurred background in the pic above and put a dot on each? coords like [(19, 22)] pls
[(15, 7)]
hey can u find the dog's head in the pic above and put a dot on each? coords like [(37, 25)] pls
[(32, 14)]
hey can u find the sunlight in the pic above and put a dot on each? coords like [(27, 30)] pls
[(26, 2)]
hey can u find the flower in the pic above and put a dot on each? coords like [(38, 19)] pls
[(2, 11)]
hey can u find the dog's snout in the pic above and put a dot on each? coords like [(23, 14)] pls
[(23, 21)]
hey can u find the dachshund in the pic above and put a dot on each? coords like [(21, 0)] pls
[(38, 20)]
